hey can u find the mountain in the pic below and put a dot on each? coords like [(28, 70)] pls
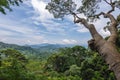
[(51, 45), (23, 49), (46, 48), (38, 49)]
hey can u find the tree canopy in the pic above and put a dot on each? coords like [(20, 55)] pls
[(78, 61), (13, 65), (60, 8)]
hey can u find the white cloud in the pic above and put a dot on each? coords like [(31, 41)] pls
[(39, 7), (82, 30), (27, 39), (19, 33), (42, 16), (67, 41), (16, 28), (104, 33), (35, 39)]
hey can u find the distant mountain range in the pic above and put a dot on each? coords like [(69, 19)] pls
[(51, 45), (17, 47), (35, 49)]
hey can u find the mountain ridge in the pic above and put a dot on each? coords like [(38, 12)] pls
[(35, 49), (47, 44)]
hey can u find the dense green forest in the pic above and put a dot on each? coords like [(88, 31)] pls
[(66, 63), (56, 62)]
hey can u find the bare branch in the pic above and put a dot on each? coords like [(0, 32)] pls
[(112, 6), (90, 27), (101, 13), (112, 28), (107, 2), (80, 20)]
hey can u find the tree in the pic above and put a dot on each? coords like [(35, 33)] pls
[(106, 48), (5, 4), (78, 61), (66, 57), (13, 66)]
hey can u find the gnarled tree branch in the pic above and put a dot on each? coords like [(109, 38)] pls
[(112, 28), (96, 36)]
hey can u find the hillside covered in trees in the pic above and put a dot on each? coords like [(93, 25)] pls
[(68, 63), (100, 61), (65, 63)]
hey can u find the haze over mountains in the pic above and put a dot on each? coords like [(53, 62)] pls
[(35, 49)]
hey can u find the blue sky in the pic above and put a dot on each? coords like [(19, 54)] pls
[(30, 24)]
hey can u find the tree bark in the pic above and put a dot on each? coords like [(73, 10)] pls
[(106, 48), (109, 53), (111, 56)]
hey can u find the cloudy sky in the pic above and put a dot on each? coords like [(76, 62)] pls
[(30, 23)]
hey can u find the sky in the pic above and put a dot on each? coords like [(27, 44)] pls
[(30, 23)]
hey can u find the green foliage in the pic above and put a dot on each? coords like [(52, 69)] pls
[(67, 57), (73, 71), (13, 66), (40, 52), (89, 7), (75, 63), (5, 4), (96, 68), (60, 8), (78, 61), (14, 54), (59, 63)]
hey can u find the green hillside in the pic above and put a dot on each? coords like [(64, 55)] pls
[(73, 63), (38, 51)]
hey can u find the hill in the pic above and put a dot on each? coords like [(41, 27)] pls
[(49, 47), (38, 49), (23, 49)]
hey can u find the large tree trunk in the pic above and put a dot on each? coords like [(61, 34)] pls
[(109, 53), (106, 48), (112, 57)]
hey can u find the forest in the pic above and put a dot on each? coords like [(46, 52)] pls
[(100, 60), (76, 63), (68, 63)]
